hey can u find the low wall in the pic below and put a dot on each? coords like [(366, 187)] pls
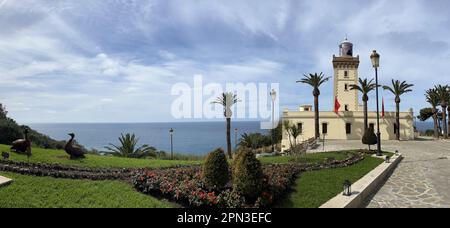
[(365, 187)]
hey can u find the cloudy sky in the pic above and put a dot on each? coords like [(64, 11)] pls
[(116, 60)]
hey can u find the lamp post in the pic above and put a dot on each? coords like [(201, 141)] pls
[(235, 139), (375, 57), (273, 95), (171, 143)]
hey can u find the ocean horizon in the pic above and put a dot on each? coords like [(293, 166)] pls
[(196, 138)]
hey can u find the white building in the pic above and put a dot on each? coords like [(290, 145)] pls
[(348, 124)]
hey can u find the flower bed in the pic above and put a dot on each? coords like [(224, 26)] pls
[(60, 171), (185, 186)]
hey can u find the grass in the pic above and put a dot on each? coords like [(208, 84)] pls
[(312, 189), (308, 158), (47, 192), (94, 161)]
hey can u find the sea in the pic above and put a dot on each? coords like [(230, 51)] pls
[(196, 138)]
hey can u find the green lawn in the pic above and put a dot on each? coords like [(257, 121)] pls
[(308, 158), (59, 156), (47, 192), (313, 189)]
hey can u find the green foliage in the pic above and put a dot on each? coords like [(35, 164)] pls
[(48, 192), (247, 175), (3, 112), (314, 80), (369, 137), (425, 114), (255, 140), (128, 148), (315, 188), (11, 131), (277, 133), (398, 88), (364, 87), (94, 161), (216, 173)]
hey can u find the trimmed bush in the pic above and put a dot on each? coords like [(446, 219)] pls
[(248, 175), (369, 137), (216, 173)]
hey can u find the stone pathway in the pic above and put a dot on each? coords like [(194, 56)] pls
[(421, 180), (4, 181)]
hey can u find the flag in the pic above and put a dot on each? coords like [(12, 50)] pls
[(337, 106), (382, 109)]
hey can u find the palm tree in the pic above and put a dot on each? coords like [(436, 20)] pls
[(364, 87), (253, 141), (287, 127), (295, 132), (315, 80), (398, 88), (443, 94), (128, 148), (433, 100), (227, 100)]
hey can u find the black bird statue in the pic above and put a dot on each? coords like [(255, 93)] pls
[(5, 155), (22, 146), (74, 151)]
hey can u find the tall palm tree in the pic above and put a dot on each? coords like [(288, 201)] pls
[(433, 99), (398, 89), (128, 148), (287, 128), (295, 132), (444, 97), (315, 80), (227, 100), (364, 87)]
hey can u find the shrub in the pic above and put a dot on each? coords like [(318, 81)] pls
[(369, 137), (216, 173), (247, 175)]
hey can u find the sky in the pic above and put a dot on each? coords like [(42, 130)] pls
[(117, 60)]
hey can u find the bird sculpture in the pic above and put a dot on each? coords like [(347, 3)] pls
[(74, 151), (5, 155), (22, 146)]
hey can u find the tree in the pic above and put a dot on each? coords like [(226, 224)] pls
[(433, 99), (295, 132), (215, 172), (227, 100), (398, 89), (443, 94), (425, 114), (287, 128), (128, 148), (315, 80), (364, 87), (3, 112)]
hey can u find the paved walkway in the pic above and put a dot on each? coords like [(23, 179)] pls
[(421, 180)]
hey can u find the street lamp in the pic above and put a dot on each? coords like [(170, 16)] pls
[(375, 57), (171, 143), (273, 95), (235, 139)]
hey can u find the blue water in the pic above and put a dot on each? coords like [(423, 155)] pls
[(189, 138)]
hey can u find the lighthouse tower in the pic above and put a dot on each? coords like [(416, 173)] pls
[(345, 74)]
